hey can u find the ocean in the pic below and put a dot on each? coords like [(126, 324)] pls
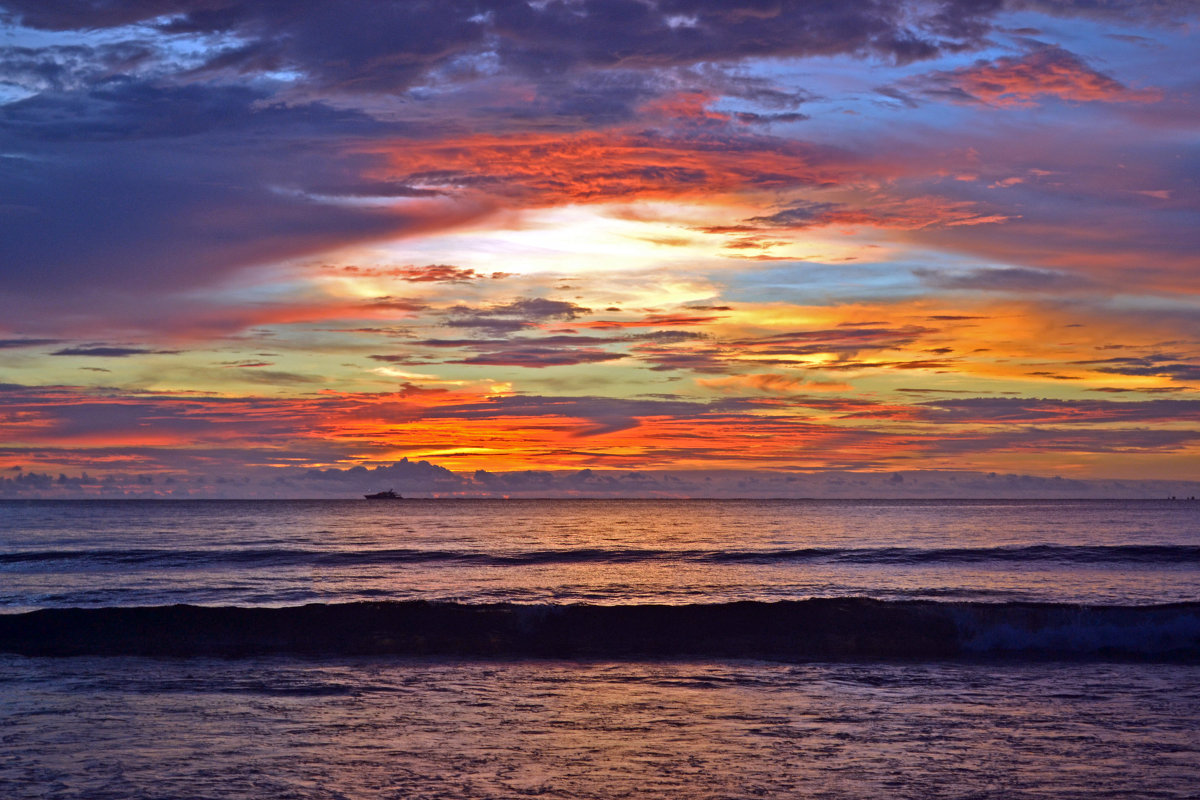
[(599, 649)]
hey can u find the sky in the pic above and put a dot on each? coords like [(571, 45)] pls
[(261, 247)]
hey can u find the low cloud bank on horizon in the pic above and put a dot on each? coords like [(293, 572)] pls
[(421, 479)]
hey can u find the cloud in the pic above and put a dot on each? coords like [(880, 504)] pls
[(1158, 365), (602, 414), (104, 351), (138, 189), (1045, 71), (676, 319), (361, 46), (524, 351), (878, 210), (13, 344), (667, 337), (1002, 279), (845, 340), (437, 273), (1084, 217), (423, 478), (1144, 12), (791, 349), (538, 169), (771, 383), (533, 356), (65, 67), (183, 176), (248, 438), (526, 312), (1012, 410), (1057, 440), (751, 118), (429, 273), (706, 360), (139, 175), (797, 216)]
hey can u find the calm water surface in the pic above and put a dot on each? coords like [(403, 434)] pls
[(96, 553)]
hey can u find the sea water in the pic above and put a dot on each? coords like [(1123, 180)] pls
[(1099, 697), (277, 553)]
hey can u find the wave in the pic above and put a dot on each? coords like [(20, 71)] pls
[(276, 557), (837, 629)]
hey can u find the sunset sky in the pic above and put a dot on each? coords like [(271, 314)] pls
[(245, 240)]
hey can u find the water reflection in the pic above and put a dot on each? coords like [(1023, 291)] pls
[(137, 728)]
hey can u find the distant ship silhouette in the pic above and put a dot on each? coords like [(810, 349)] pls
[(387, 494)]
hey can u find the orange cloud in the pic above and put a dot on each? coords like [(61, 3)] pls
[(586, 167), (1044, 72)]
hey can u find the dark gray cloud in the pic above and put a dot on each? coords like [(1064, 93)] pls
[(65, 67), (709, 361), (535, 356), (559, 340), (84, 14), (750, 118), (601, 97), (125, 109), (1050, 440), (1162, 12), (526, 312), (904, 98), (366, 45), (843, 339), (1014, 410), (105, 351), (797, 216), (1159, 365), (135, 188), (751, 88), (1003, 279), (558, 35), (524, 351), (667, 337), (553, 350)]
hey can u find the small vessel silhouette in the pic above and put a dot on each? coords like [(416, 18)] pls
[(387, 494)]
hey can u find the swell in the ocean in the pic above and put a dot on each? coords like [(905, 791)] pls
[(274, 557), (839, 629)]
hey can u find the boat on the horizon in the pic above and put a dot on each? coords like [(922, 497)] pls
[(386, 494)]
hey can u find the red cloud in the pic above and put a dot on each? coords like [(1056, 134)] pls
[(551, 168), (1044, 72), (429, 273)]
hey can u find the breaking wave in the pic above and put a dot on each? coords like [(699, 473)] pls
[(838, 629), (276, 557)]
